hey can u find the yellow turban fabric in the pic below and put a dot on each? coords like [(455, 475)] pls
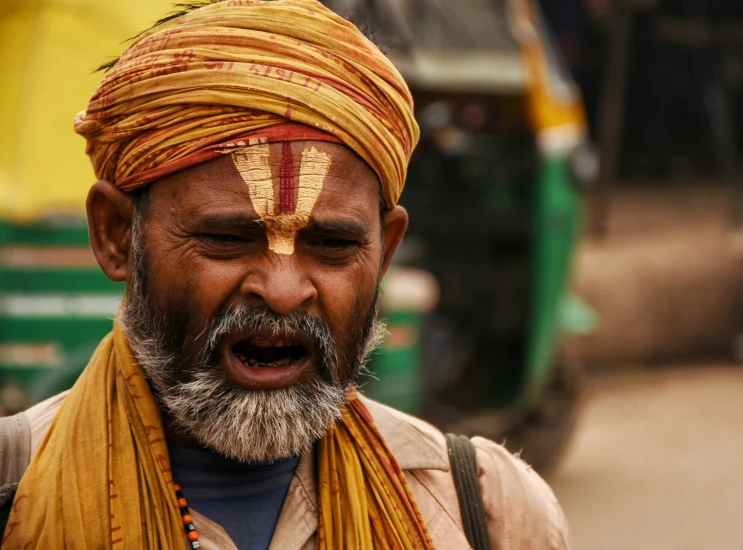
[(240, 72)]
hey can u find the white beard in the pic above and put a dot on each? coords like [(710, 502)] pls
[(255, 426)]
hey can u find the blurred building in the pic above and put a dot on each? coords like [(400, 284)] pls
[(680, 98), (49, 52)]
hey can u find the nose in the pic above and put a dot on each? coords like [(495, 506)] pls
[(281, 284)]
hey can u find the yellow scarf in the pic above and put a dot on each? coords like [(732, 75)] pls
[(101, 477)]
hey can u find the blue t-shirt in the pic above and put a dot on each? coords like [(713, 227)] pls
[(245, 499)]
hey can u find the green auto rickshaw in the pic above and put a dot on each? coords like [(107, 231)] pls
[(494, 194)]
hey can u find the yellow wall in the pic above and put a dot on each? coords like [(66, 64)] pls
[(48, 52)]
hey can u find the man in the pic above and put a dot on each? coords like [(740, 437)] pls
[(250, 156)]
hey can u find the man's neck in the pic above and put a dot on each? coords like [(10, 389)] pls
[(176, 435)]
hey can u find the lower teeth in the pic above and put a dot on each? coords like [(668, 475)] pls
[(253, 363)]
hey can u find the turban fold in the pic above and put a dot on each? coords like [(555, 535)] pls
[(241, 72)]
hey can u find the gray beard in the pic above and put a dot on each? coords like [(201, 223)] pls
[(253, 426)]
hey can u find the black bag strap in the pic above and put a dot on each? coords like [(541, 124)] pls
[(464, 471)]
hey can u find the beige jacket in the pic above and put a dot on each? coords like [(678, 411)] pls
[(521, 509)]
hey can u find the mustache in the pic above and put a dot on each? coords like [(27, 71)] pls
[(244, 317)]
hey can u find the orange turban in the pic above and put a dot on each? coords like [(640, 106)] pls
[(240, 72)]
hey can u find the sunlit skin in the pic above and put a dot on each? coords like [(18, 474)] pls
[(205, 245)]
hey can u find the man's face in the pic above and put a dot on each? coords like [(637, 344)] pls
[(248, 319)]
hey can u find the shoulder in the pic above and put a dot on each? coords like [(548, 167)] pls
[(514, 493), (40, 417), (521, 509), (20, 436), (15, 447)]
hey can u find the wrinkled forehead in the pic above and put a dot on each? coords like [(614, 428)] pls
[(285, 185)]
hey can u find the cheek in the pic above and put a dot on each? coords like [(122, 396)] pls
[(184, 281), (347, 294)]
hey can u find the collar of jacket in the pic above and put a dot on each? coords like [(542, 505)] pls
[(413, 449)]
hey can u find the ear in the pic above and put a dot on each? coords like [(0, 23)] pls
[(109, 224), (395, 223)]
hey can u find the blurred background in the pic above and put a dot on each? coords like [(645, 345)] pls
[(572, 281)]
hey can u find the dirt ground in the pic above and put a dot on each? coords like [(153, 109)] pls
[(656, 462), (666, 279)]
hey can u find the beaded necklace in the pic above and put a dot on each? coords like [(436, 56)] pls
[(191, 533)]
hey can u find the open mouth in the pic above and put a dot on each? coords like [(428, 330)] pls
[(269, 352)]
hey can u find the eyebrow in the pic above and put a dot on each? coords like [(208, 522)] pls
[(243, 221), (227, 221), (344, 227)]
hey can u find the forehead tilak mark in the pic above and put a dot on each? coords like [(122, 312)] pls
[(287, 200), (282, 223), (255, 169)]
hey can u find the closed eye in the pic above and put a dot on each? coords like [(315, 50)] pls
[(335, 234), (334, 242)]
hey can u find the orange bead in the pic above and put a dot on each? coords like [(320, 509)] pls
[(187, 518), (193, 536), (176, 487), (182, 502)]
